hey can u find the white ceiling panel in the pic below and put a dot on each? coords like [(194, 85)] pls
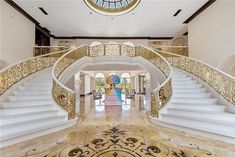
[(153, 18)]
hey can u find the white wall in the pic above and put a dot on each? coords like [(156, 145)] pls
[(77, 42), (85, 86), (17, 35), (212, 35)]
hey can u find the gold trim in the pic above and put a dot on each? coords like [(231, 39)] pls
[(222, 83), (120, 11), (42, 50), (13, 74)]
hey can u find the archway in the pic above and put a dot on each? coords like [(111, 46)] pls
[(100, 82), (125, 82)]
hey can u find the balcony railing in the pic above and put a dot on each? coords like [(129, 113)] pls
[(42, 50), (66, 97), (179, 50)]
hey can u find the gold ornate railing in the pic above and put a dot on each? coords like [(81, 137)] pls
[(42, 50), (13, 74), (66, 97), (223, 83), (179, 50)]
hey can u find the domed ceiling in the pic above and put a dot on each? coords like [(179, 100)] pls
[(112, 7)]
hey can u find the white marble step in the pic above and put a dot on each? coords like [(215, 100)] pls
[(28, 129), (32, 102), (191, 101), (13, 111), (201, 110), (182, 79), (189, 90), (38, 84), (24, 106), (220, 118), (201, 125), (179, 74), (177, 86), (29, 115), (30, 111), (189, 107), (192, 95), (30, 97), (184, 82), (34, 87), (41, 81), (32, 92), (43, 77), (6, 124)]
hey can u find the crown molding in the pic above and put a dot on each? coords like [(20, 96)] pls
[(109, 38), (199, 11), (47, 32)]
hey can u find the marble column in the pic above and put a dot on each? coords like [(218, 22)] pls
[(141, 84)]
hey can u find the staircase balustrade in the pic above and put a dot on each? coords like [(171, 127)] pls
[(179, 50), (14, 73), (223, 83), (66, 97), (42, 50)]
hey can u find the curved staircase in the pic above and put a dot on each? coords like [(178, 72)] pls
[(30, 110), (193, 106)]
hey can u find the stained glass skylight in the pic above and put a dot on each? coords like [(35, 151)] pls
[(112, 7)]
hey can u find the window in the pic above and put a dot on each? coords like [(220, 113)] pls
[(125, 82), (112, 7), (100, 82)]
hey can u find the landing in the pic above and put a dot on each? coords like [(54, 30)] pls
[(117, 131)]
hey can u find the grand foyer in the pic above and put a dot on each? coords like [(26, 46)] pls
[(117, 78)]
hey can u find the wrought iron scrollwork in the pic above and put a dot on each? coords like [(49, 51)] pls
[(223, 83), (13, 74)]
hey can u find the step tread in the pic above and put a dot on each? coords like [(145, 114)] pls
[(29, 114), (197, 111), (38, 128), (9, 112), (12, 106), (5, 125), (199, 117), (204, 126)]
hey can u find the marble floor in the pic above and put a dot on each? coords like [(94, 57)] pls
[(118, 131)]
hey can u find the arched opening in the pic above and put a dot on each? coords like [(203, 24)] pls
[(100, 82), (125, 82)]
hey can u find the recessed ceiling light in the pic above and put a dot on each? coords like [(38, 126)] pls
[(42, 10), (178, 11)]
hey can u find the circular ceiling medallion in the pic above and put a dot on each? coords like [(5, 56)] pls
[(112, 7)]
